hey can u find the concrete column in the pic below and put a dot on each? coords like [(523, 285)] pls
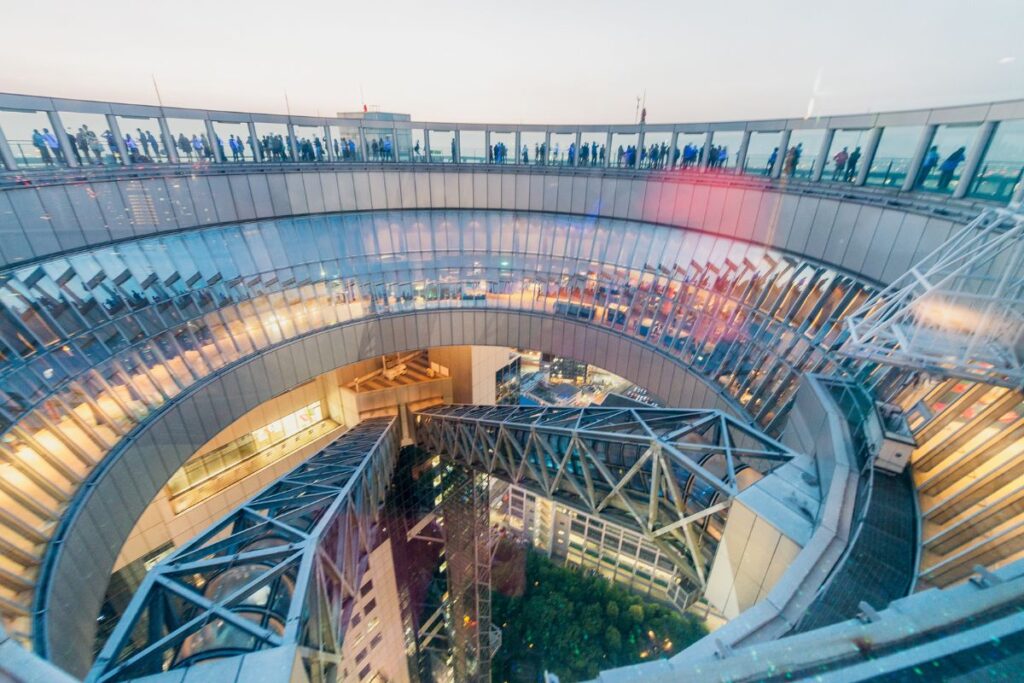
[(488, 154), (927, 135), (705, 155), (780, 158), (115, 130), (170, 144), (457, 149), (211, 135), (640, 141), (328, 144), (257, 151), (293, 145), (867, 155), (5, 153), (672, 152), (394, 144), (62, 138), (822, 158), (579, 143), (741, 156), (518, 156), (426, 143), (608, 153), (547, 147), (974, 157)]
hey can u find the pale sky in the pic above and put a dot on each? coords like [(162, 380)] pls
[(529, 61)]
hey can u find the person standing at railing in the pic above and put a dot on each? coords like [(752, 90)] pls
[(94, 144), (73, 145), (931, 160), (840, 160), (40, 144), (851, 164), (948, 167), (772, 160), (185, 146), (152, 143), (51, 142)]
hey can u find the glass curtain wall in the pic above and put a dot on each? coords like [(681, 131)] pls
[(762, 152), (92, 136), (892, 159), (999, 174), (32, 142)]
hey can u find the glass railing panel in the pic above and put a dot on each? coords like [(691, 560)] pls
[(843, 159), (762, 152), (93, 139), (999, 174), (563, 146), (725, 149), (346, 143), (442, 146), (892, 159), (309, 143), (380, 143), (592, 148), (143, 139), (273, 141), (799, 159), (190, 139), (532, 147), (473, 147), (503, 148), (657, 150), (691, 146), (33, 144), (236, 142), (944, 161), (624, 151)]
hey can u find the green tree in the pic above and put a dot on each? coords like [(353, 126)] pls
[(611, 610), (636, 613), (613, 639)]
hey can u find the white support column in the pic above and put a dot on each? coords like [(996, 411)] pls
[(426, 143), (780, 157), (579, 143), (518, 156), (457, 146), (741, 156), (115, 130), (927, 135), (675, 147), (62, 139), (211, 135), (973, 161), (547, 147), (488, 154), (293, 144), (6, 157), (822, 158), (257, 151), (640, 142), (705, 154), (868, 155), (327, 143), (607, 151), (170, 145), (394, 143)]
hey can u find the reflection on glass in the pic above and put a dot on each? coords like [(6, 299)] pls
[(235, 140), (503, 148), (725, 148), (943, 162), (592, 148), (762, 152), (624, 152), (892, 159), (842, 161), (472, 147), (32, 142), (189, 136), (1000, 172), (804, 146), (442, 146), (656, 151), (691, 149)]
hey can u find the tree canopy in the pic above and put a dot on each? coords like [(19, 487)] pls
[(577, 623)]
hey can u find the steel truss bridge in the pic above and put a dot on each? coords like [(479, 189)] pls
[(280, 572), (660, 471)]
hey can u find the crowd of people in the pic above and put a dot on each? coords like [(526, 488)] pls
[(947, 169)]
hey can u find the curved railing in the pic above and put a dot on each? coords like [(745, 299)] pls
[(968, 151)]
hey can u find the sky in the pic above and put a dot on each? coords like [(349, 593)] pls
[(528, 61)]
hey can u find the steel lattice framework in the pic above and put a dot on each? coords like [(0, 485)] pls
[(658, 470), (957, 313), (284, 569)]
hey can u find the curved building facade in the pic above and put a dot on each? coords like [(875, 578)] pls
[(150, 300)]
